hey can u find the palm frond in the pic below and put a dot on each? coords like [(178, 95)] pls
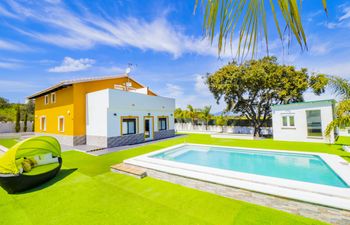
[(343, 117), (340, 86), (225, 19)]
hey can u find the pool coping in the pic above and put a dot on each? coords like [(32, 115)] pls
[(303, 191)]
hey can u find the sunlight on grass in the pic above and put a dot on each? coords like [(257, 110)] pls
[(86, 192)]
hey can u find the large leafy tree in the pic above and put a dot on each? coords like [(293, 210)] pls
[(225, 20), (4, 103), (251, 88)]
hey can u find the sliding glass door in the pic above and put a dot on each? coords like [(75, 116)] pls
[(314, 123)]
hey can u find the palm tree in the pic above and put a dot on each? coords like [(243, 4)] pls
[(225, 19), (192, 113), (205, 115), (341, 87), (179, 115)]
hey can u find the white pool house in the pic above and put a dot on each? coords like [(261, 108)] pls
[(303, 121)]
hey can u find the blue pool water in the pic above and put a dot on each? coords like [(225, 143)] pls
[(300, 167)]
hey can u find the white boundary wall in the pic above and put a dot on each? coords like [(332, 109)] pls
[(188, 127), (9, 127)]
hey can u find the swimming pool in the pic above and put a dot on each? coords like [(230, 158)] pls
[(310, 177), (293, 166)]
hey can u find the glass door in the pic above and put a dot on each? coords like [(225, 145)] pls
[(148, 126), (314, 123)]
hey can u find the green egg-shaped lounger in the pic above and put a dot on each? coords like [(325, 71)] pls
[(11, 177)]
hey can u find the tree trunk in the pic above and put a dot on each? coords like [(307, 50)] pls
[(257, 130)]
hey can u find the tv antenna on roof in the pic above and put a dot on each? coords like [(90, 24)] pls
[(129, 68)]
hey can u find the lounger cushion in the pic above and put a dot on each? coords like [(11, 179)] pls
[(42, 169)]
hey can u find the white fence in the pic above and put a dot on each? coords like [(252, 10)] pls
[(188, 127), (9, 127)]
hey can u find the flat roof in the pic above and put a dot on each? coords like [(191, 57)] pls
[(308, 103)]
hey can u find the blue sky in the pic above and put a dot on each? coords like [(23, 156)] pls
[(44, 42)]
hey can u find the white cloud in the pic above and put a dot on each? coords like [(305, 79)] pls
[(5, 12), (13, 46), (343, 21), (310, 96), (71, 65), (173, 91), (195, 94), (109, 70), (319, 47), (338, 69), (311, 16), (346, 14), (9, 65), (200, 85), (83, 31)]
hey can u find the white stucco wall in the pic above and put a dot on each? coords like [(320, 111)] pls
[(96, 113), (102, 105), (299, 131)]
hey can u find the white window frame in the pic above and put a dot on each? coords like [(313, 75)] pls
[(43, 128), (46, 99), (288, 116), (53, 100), (58, 125)]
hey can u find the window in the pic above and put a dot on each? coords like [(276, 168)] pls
[(61, 123), (314, 123), (162, 123), (288, 121), (53, 98), (46, 99), (291, 121), (285, 121), (129, 126), (43, 123)]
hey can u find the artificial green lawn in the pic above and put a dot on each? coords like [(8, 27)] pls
[(8, 142), (86, 192)]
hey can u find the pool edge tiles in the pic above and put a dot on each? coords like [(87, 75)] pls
[(303, 191)]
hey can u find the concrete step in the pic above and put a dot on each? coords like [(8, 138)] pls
[(128, 169)]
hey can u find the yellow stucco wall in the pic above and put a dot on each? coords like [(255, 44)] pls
[(71, 103), (63, 107)]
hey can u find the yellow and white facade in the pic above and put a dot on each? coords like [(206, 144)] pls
[(62, 110)]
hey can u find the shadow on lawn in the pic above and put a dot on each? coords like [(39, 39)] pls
[(60, 176)]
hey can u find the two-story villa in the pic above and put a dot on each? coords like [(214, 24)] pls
[(103, 111)]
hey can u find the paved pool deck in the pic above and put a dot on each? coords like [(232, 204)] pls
[(97, 150)]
